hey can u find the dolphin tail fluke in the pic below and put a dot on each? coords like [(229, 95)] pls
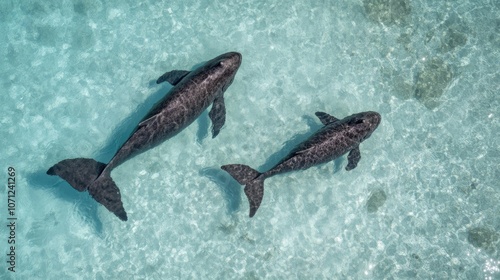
[(78, 172), (105, 191), (254, 185), (87, 174), (255, 192)]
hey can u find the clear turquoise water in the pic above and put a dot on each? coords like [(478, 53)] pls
[(76, 76)]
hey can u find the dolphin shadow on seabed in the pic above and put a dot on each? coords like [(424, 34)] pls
[(230, 189), (85, 205)]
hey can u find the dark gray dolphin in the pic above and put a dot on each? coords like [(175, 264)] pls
[(333, 140), (192, 93)]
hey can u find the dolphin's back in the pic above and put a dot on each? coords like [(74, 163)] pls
[(181, 106), (328, 143)]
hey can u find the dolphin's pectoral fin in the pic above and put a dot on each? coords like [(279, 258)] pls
[(218, 115), (353, 158), (326, 118), (173, 77), (105, 191)]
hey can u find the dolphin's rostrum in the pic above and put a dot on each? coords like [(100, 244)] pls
[(192, 93), (333, 140)]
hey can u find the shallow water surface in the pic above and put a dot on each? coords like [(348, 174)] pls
[(77, 76)]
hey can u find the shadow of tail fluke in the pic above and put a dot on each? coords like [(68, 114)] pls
[(87, 174), (254, 184)]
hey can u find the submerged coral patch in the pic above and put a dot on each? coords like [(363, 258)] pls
[(376, 200), (452, 39), (483, 238), (387, 11), (432, 81)]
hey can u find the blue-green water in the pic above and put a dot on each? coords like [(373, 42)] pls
[(76, 76)]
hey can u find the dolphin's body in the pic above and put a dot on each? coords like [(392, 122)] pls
[(192, 93), (333, 140)]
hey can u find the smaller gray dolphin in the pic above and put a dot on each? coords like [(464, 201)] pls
[(333, 140)]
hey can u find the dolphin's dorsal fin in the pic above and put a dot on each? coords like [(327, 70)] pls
[(325, 118), (145, 122), (173, 77)]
